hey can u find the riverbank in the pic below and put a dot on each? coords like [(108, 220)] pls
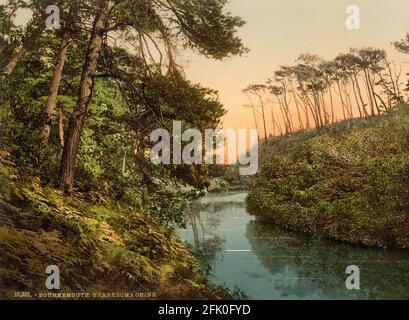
[(347, 183), (258, 260), (98, 246)]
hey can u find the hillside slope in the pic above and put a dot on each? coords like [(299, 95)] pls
[(99, 247), (349, 183)]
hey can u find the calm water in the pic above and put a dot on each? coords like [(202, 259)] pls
[(264, 262)]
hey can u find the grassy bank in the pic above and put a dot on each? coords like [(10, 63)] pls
[(348, 182), (98, 246)]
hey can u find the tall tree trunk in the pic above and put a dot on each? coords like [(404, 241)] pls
[(54, 87), (264, 117), (358, 87), (311, 106), (324, 107), (77, 120), (394, 83), (277, 125), (304, 106), (58, 71), (382, 102), (342, 100), (287, 112), (370, 95), (255, 117), (61, 124), (318, 109), (282, 109), (297, 105), (348, 101), (372, 84), (331, 99), (264, 121), (12, 64), (273, 118), (255, 121), (356, 98), (27, 43)]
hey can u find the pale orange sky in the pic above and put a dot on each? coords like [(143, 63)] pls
[(277, 31)]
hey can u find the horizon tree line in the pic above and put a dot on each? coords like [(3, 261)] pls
[(361, 83)]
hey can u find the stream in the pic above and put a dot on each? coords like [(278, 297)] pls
[(264, 262)]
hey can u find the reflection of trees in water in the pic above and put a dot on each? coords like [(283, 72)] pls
[(317, 266), (206, 243), (196, 210), (216, 207)]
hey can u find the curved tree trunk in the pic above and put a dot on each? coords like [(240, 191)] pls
[(12, 64), (61, 124), (27, 43), (364, 111), (77, 120), (370, 95), (356, 97), (54, 87), (342, 100), (331, 99), (58, 71), (264, 117)]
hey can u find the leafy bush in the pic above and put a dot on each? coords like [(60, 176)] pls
[(98, 246), (346, 186)]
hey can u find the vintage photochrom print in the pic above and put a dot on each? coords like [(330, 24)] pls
[(217, 151)]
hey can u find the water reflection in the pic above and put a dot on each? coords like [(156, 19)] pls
[(317, 267), (268, 263), (204, 232)]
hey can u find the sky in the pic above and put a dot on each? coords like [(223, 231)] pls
[(278, 31)]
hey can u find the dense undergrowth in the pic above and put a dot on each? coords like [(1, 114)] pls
[(348, 182), (98, 245)]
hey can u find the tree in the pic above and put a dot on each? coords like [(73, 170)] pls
[(254, 111), (32, 32), (369, 60), (328, 69), (8, 33), (278, 92), (65, 35), (259, 90), (312, 83), (403, 47), (283, 78), (201, 25), (76, 123), (349, 67)]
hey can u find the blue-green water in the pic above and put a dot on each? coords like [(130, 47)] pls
[(265, 262)]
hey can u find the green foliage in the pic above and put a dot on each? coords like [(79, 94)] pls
[(208, 29), (99, 246), (20, 118), (346, 186), (91, 233)]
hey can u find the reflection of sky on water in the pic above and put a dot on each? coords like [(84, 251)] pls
[(267, 263)]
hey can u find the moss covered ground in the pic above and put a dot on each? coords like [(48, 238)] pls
[(99, 246)]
